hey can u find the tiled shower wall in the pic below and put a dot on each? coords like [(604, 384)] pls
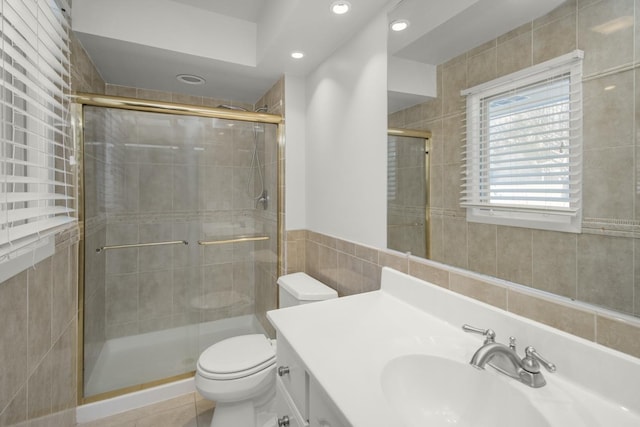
[(174, 178), (601, 265), (406, 195)]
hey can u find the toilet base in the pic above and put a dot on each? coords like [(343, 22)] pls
[(233, 414), (247, 413)]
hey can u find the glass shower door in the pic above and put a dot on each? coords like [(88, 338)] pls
[(408, 194), (166, 198)]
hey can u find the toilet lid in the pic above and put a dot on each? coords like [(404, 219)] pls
[(237, 357)]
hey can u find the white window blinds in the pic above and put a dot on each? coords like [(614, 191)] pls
[(36, 183), (524, 148), (392, 168)]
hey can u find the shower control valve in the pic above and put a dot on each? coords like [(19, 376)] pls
[(283, 422)]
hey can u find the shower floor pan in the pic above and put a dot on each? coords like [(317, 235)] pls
[(144, 358)]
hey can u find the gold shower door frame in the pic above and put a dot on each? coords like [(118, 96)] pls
[(79, 100)]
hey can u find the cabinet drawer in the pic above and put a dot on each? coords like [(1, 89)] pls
[(286, 409), (293, 376)]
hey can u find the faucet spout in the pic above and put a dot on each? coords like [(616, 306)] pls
[(488, 352)]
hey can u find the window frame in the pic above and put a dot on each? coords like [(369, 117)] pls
[(533, 216)]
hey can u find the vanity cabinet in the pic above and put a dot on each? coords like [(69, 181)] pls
[(323, 412), (300, 400), (362, 360), (294, 376)]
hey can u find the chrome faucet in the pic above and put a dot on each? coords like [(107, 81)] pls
[(505, 359)]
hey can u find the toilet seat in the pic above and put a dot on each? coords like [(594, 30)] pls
[(237, 357)]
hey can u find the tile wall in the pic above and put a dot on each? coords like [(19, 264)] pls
[(38, 314), (601, 265)]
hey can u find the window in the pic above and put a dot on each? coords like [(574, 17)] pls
[(523, 157), (36, 184)]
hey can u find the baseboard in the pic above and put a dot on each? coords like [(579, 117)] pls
[(117, 405)]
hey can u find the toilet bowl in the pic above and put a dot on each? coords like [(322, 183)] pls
[(239, 373)]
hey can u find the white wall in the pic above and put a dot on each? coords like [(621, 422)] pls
[(346, 126), (412, 77), (409, 83), (295, 153)]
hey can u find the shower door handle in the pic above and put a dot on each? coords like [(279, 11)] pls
[(142, 245), (239, 239)]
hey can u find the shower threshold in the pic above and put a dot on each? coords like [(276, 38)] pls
[(145, 358)]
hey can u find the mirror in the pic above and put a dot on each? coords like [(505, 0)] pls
[(598, 266), (408, 224)]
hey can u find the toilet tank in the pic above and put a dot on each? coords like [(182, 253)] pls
[(300, 288)]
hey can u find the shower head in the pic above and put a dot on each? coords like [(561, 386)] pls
[(262, 109)]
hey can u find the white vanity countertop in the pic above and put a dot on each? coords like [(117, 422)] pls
[(346, 342)]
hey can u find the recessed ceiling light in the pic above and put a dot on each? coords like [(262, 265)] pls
[(297, 55), (190, 79), (400, 25), (340, 7)]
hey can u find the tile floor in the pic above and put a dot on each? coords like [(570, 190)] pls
[(190, 410)]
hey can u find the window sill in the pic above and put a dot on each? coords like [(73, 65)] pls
[(22, 259), (547, 222)]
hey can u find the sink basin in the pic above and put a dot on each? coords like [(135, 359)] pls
[(434, 391)]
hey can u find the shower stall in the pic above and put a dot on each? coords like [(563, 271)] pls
[(408, 183), (181, 236)]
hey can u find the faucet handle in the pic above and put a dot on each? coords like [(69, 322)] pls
[(489, 335), (533, 360)]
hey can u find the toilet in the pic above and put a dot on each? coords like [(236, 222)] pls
[(239, 373)]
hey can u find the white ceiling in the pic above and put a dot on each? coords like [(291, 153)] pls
[(249, 10), (242, 47)]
